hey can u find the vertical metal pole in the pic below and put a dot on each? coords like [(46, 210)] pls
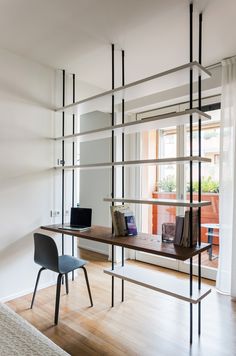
[(63, 160), (199, 167), (113, 122), (191, 163), (112, 159), (73, 171), (123, 168), (112, 278)]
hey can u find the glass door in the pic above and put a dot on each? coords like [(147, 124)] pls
[(158, 182), (210, 191), (172, 181)]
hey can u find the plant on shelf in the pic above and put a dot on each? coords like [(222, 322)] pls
[(167, 184), (208, 185)]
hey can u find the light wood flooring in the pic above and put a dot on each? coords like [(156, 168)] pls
[(147, 323), (205, 258)]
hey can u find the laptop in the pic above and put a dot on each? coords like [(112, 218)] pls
[(80, 219)]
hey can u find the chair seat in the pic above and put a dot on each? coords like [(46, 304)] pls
[(69, 263)]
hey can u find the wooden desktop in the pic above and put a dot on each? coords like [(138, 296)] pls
[(142, 242)]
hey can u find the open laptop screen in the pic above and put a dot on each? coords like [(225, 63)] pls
[(81, 217)]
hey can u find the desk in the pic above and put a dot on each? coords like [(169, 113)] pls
[(169, 285), (210, 235), (142, 242), (145, 243)]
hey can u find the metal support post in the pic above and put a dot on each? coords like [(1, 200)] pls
[(123, 168), (191, 163), (113, 168), (199, 168), (73, 171)]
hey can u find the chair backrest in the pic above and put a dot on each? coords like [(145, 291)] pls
[(45, 252)]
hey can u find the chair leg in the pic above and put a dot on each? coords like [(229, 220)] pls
[(58, 293), (87, 282), (67, 284), (36, 286)]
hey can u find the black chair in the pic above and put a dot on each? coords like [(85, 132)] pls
[(46, 255)]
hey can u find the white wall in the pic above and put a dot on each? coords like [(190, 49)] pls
[(26, 158), (95, 184)]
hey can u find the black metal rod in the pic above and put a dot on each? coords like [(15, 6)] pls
[(112, 159), (113, 122), (191, 323), (112, 278), (123, 121), (199, 167), (63, 160), (191, 165), (73, 171), (123, 168), (200, 124), (112, 66)]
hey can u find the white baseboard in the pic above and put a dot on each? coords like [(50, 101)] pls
[(25, 292), (30, 290), (93, 249)]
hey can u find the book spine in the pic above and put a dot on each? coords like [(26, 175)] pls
[(114, 221), (179, 230), (186, 229)]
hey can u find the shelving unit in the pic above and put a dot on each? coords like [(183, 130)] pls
[(193, 293), (153, 123), (160, 282), (168, 202), (138, 89), (142, 242), (149, 162), (115, 99)]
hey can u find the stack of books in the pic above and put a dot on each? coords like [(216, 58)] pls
[(182, 229), (123, 220)]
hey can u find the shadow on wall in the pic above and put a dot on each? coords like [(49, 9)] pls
[(16, 250), (10, 90), (19, 248)]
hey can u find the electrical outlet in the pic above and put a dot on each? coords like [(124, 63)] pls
[(54, 213)]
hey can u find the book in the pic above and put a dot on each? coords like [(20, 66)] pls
[(186, 229), (118, 214), (131, 225), (179, 230)]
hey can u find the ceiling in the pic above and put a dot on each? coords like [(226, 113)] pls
[(76, 34)]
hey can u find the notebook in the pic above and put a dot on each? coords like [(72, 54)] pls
[(80, 219)]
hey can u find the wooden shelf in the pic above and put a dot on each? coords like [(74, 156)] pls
[(168, 202), (147, 86), (152, 123), (160, 282), (142, 242), (149, 162)]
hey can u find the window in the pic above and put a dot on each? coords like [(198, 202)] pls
[(163, 181)]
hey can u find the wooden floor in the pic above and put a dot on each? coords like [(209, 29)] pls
[(205, 258), (147, 323)]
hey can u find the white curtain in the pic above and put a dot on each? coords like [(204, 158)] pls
[(226, 277)]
